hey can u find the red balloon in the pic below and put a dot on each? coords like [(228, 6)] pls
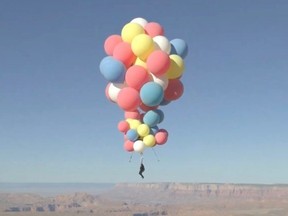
[(123, 53), (132, 114), (153, 29), (174, 90), (158, 62), (110, 43), (146, 108), (161, 137), (128, 99), (123, 126), (136, 76), (128, 146)]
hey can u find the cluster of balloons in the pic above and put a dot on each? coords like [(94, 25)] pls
[(143, 69)]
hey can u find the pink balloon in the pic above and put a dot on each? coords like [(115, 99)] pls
[(153, 29), (158, 62), (123, 53), (128, 146), (128, 99), (161, 137), (110, 43), (132, 114), (174, 90), (136, 76), (123, 126)]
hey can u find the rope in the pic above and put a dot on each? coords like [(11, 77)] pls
[(130, 157), (155, 154)]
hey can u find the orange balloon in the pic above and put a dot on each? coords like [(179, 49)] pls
[(110, 43), (158, 62), (123, 53), (153, 29), (128, 99), (136, 76)]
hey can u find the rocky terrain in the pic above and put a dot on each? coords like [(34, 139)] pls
[(152, 199)]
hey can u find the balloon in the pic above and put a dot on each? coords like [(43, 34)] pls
[(179, 47), (161, 80), (161, 137), (132, 135), (140, 21), (136, 76), (176, 67), (140, 62), (128, 99), (111, 42), (132, 114), (123, 126), (130, 30), (142, 46), (153, 29), (128, 146), (151, 94), (161, 115), (146, 108), (149, 140), (164, 102), (151, 118), (174, 90), (123, 53), (134, 124), (112, 69), (162, 43), (113, 89), (154, 130), (107, 93), (158, 62), (139, 146), (143, 130)]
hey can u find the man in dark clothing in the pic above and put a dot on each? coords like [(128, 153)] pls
[(142, 168)]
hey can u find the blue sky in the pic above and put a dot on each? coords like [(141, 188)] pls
[(56, 124)]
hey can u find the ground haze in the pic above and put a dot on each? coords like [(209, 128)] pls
[(145, 199)]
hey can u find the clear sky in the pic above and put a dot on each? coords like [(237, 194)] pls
[(231, 124)]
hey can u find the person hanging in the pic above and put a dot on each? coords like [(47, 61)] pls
[(142, 168)]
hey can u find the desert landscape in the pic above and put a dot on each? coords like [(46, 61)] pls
[(153, 199)]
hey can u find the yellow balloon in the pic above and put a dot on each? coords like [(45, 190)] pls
[(134, 124), (143, 130), (149, 140), (140, 63), (176, 68), (129, 120), (130, 30), (142, 45)]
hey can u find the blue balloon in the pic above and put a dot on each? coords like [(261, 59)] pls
[(161, 114), (112, 69), (154, 130), (151, 94), (151, 118), (179, 47), (132, 135)]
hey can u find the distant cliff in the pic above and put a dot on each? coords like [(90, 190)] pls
[(202, 190)]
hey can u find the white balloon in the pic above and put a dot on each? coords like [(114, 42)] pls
[(140, 21), (162, 43), (114, 90), (138, 146), (161, 80)]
